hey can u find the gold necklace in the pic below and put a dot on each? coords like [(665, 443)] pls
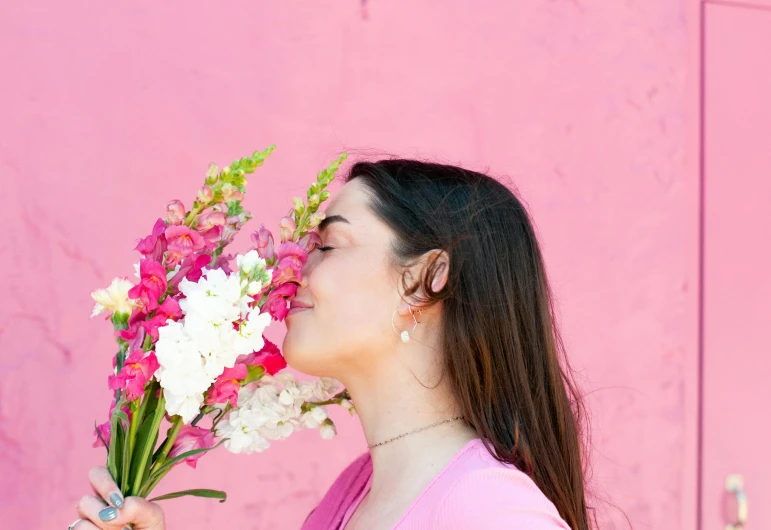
[(416, 430)]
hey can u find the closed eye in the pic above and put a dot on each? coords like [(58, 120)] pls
[(324, 249)]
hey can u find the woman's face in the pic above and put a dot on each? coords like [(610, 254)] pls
[(352, 290)]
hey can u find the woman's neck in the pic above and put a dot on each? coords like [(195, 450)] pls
[(392, 404)]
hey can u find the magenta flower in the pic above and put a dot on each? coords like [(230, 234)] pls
[(154, 245), (182, 242), (137, 370), (175, 212), (190, 438), (276, 302), (269, 357), (135, 334), (227, 385), (151, 285), (168, 309), (263, 243), (291, 258), (190, 268)]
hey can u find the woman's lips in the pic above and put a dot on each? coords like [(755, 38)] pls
[(297, 309)]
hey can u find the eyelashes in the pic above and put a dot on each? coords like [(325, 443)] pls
[(324, 249)]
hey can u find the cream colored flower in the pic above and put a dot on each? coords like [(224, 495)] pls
[(115, 298)]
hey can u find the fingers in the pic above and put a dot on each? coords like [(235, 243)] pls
[(84, 524), (105, 486)]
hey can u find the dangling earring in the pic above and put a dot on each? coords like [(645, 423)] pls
[(405, 335)]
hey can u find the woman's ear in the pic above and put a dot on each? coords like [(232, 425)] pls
[(437, 264), (441, 269)]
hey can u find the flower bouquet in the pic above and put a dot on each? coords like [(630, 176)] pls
[(190, 338)]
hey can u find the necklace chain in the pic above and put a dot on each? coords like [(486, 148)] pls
[(416, 430)]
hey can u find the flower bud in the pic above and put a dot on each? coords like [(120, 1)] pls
[(315, 219), (253, 288), (286, 229), (299, 206), (313, 201), (212, 173), (205, 195), (231, 193), (324, 196), (175, 212)]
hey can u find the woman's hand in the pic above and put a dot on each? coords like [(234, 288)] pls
[(95, 512)]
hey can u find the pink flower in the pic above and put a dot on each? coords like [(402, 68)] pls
[(269, 357), (309, 241), (151, 285), (263, 243), (190, 268), (190, 438), (231, 193), (137, 370), (182, 242), (205, 195), (154, 245), (135, 334), (286, 228), (175, 212), (291, 258), (168, 309), (276, 302), (223, 262), (210, 226), (233, 226), (227, 385)]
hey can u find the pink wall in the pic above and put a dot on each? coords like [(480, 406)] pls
[(110, 109)]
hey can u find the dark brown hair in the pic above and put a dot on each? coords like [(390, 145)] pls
[(503, 350)]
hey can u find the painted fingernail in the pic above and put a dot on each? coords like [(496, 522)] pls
[(108, 514), (116, 499)]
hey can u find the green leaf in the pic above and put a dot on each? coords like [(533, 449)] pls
[(120, 439), (211, 494), (181, 457), (254, 372), (146, 440)]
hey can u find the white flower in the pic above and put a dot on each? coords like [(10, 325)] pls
[(248, 338), (241, 429), (114, 298), (328, 430), (214, 297), (250, 263), (136, 270), (181, 371), (346, 404), (253, 288)]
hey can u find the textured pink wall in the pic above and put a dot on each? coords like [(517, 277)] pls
[(110, 109)]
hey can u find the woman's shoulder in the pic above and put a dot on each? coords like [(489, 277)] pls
[(480, 491)]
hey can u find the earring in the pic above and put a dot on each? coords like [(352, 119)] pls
[(405, 335)]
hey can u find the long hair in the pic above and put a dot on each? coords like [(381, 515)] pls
[(502, 347)]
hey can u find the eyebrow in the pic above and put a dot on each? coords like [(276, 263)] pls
[(332, 219)]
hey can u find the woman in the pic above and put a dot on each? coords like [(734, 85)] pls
[(428, 299)]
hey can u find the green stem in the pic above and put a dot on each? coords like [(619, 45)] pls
[(171, 436), (191, 216)]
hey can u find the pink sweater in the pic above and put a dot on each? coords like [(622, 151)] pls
[(472, 491)]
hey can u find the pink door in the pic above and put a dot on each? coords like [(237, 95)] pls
[(736, 336)]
